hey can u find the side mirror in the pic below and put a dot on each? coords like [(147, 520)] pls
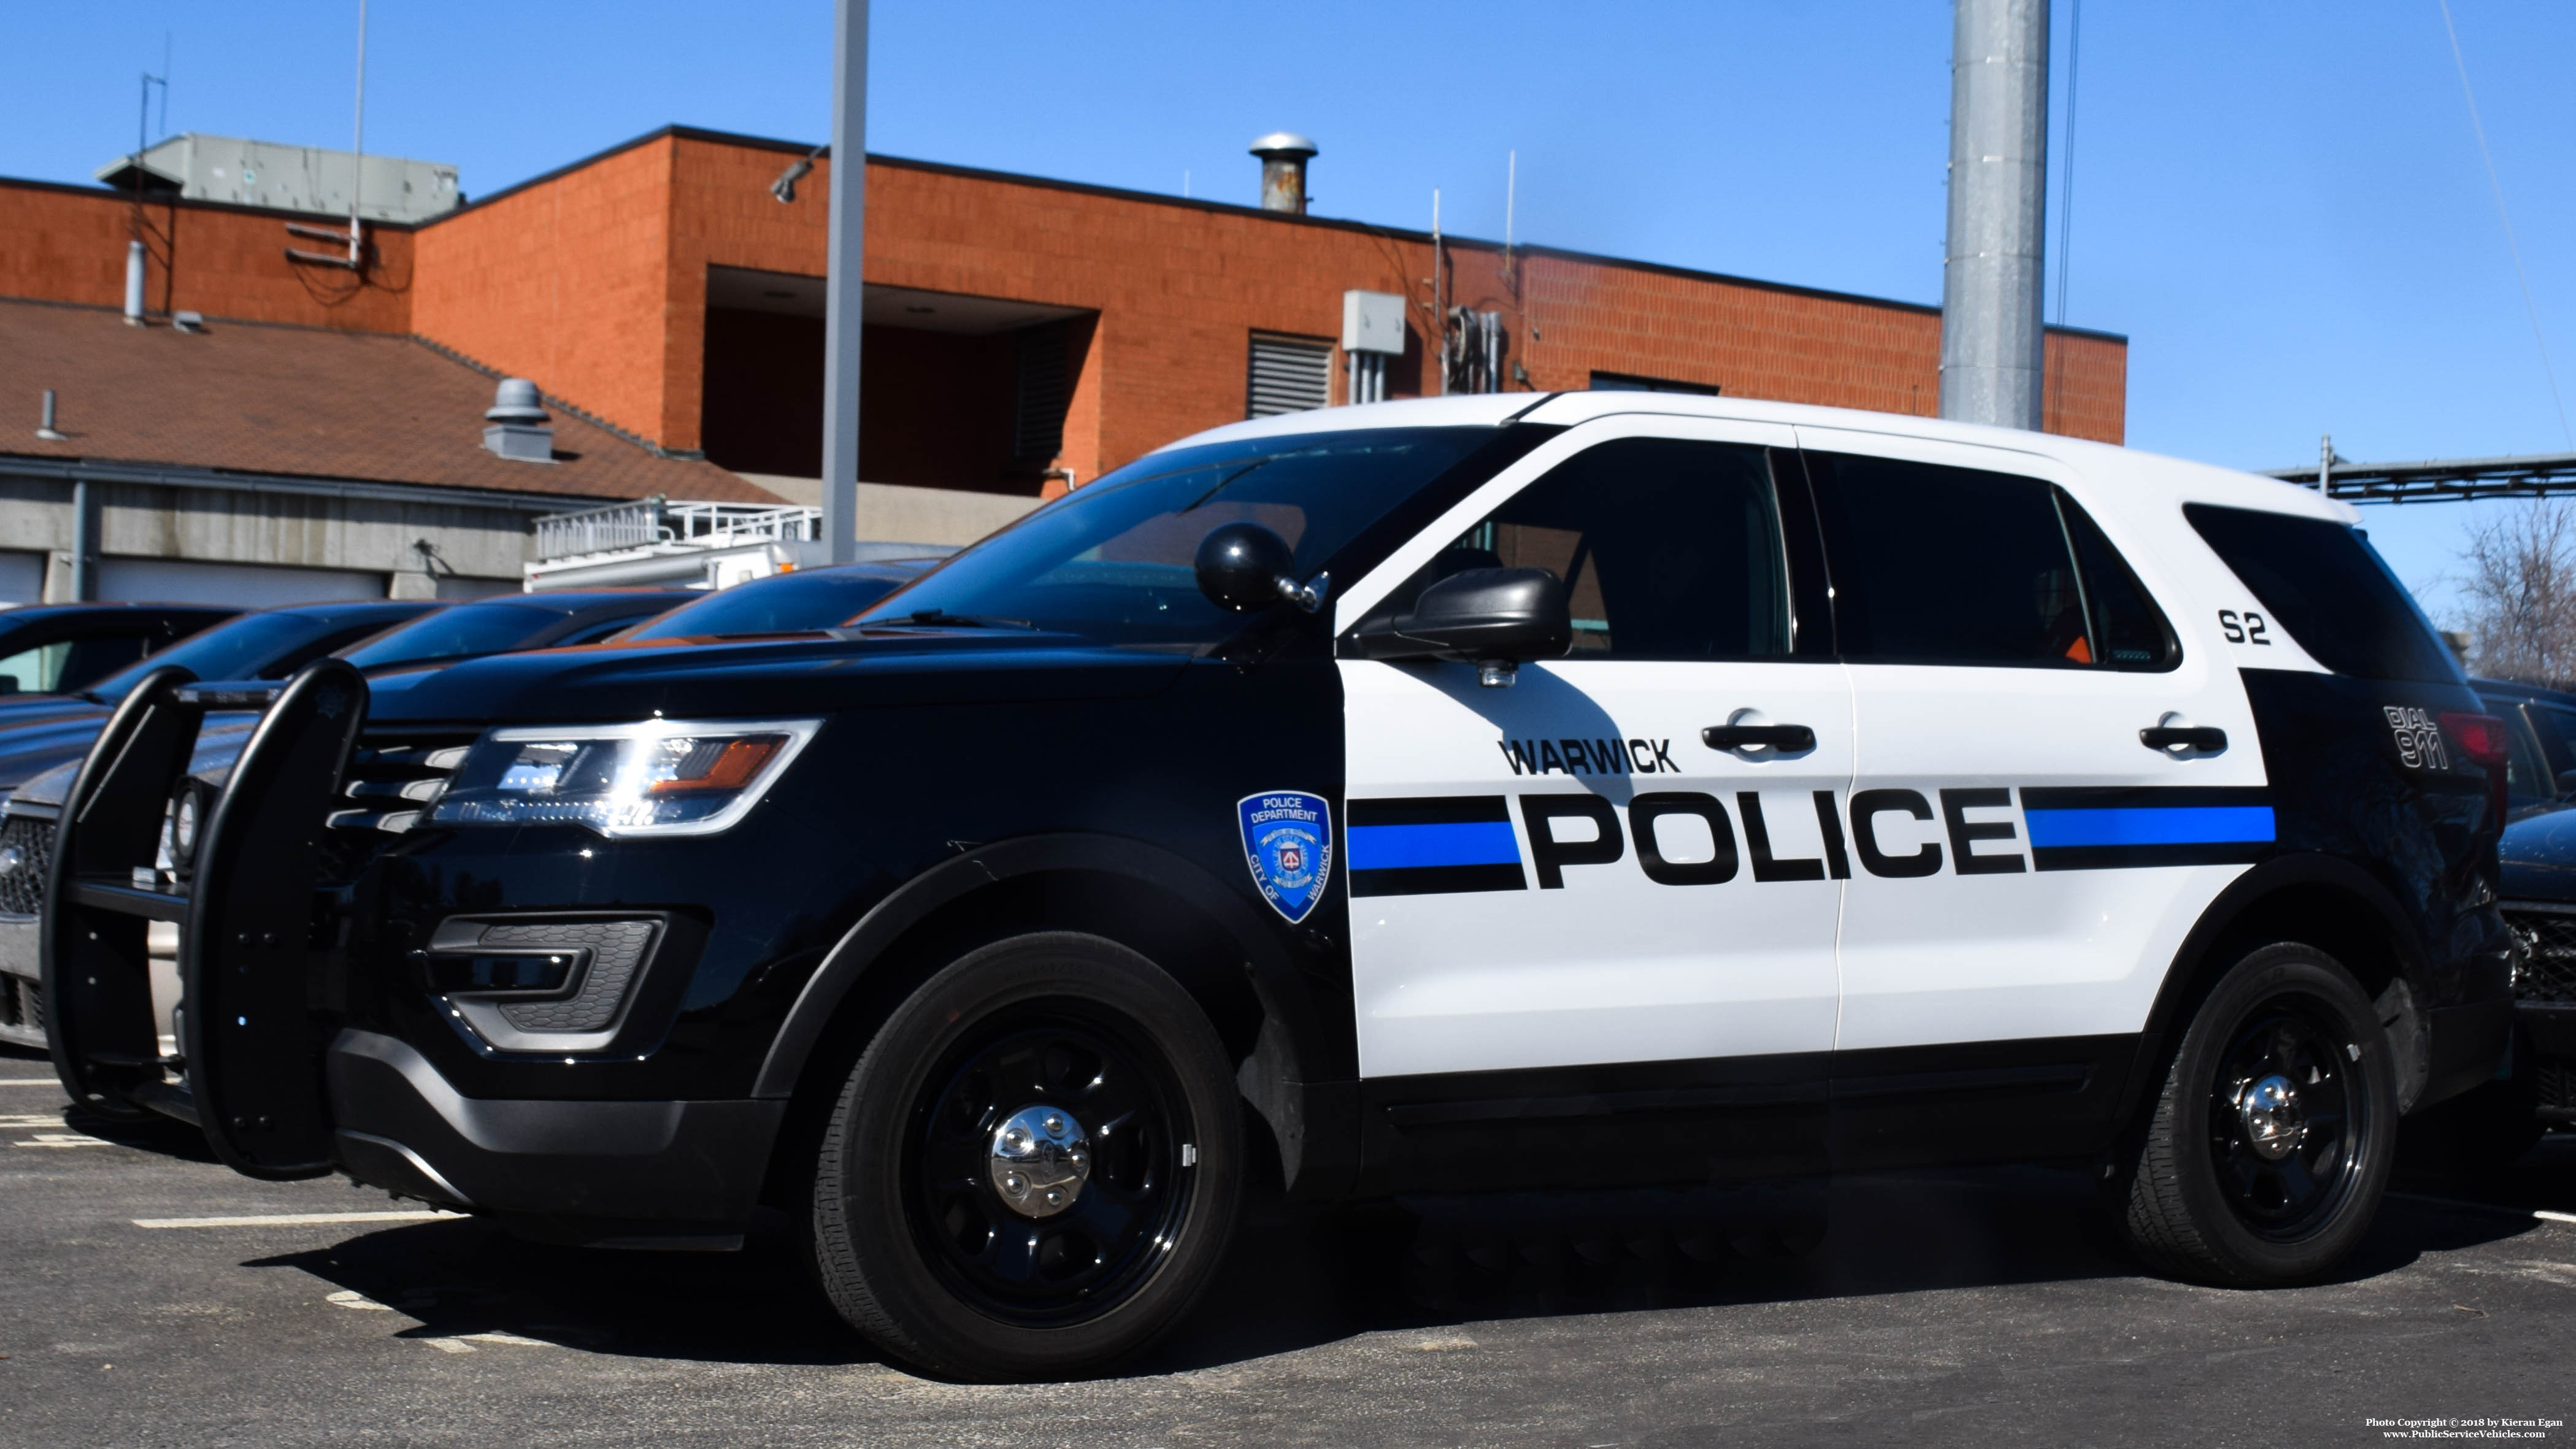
[(2567, 782), (1491, 618), (1244, 566)]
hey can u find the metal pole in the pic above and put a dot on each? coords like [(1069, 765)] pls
[(1993, 337), (85, 505), (843, 285), (1439, 292), (358, 142)]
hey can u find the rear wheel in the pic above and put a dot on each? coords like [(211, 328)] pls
[(2269, 1148), (1033, 1169)]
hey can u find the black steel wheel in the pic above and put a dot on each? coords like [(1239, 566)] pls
[(2268, 1150), (1034, 1167), (1046, 1233), (2283, 1133)]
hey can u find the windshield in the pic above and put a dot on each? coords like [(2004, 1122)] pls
[(1113, 560), (238, 649), (817, 599), (454, 632)]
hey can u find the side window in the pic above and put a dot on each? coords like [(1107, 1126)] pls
[(1947, 565), (2129, 631), (2324, 583), (1669, 549), (34, 671), (2561, 723)]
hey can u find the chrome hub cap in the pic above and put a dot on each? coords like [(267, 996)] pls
[(2269, 1110), (1039, 1161)]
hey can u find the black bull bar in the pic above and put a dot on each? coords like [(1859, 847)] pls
[(258, 955)]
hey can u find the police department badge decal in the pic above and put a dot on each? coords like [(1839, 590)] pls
[(1288, 842)]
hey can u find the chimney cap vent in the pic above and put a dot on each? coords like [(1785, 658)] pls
[(516, 401), (1283, 145)]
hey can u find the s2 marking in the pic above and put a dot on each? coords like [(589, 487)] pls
[(2245, 628)]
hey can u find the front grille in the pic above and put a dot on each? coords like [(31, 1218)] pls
[(2547, 971), (27, 852), (393, 781)]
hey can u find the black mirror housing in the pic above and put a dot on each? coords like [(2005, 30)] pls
[(1481, 616), (1241, 567)]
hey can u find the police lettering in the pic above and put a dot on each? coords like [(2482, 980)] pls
[(1557, 841)]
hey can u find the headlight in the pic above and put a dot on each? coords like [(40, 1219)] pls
[(660, 777)]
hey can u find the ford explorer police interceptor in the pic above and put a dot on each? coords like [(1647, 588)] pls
[(1588, 790)]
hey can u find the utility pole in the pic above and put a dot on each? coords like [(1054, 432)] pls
[(843, 286), (1993, 334)]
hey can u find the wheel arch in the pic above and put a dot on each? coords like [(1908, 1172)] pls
[(2322, 900), (1216, 944)]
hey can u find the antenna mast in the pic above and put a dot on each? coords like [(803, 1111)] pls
[(358, 142)]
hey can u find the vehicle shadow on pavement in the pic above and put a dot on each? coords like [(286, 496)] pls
[(1298, 1279)]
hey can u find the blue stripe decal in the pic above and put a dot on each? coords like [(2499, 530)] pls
[(2150, 825), (1406, 847)]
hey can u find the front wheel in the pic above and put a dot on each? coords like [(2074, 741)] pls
[(1034, 1167), (2270, 1144)]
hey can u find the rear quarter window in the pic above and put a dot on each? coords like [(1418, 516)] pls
[(2326, 585)]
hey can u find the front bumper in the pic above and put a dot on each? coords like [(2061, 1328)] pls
[(22, 995), (610, 1172)]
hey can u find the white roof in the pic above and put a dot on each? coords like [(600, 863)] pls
[(2111, 464)]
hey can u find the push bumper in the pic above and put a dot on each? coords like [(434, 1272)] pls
[(635, 1171)]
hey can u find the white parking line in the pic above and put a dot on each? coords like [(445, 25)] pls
[(296, 1220), (2542, 1214), (64, 1139), (29, 1082)]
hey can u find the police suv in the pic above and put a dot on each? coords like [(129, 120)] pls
[(1593, 790)]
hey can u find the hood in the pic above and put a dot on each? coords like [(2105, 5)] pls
[(219, 743), (26, 709), (27, 750), (774, 676), (2538, 858)]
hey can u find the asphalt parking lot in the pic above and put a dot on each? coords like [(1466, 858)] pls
[(1942, 1308)]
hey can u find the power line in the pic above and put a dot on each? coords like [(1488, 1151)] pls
[(2528, 305)]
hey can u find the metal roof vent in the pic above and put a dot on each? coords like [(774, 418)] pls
[(519, 428), (1283, 170)]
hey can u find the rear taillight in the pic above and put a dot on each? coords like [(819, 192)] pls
[(2480, 737)]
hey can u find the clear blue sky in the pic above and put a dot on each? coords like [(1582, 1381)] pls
[(2282, 204)]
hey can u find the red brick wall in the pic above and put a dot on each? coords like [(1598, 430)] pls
[(593, 282), (568, 282), (67, 244)]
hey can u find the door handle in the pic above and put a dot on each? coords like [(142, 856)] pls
[(1786, 738), (2209, 739)]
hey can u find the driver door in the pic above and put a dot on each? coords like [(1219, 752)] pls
[(1572, 917)]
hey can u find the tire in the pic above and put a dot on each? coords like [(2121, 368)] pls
[(933, 1230), (2270, 1144)]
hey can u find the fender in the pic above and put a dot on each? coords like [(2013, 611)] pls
[(1298, 1042), (2182, 977)]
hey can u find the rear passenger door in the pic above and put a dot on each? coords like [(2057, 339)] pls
[(2024, 862)]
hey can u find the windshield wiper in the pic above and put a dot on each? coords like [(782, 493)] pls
[(941, 617)]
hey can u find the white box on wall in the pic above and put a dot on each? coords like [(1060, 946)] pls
[(1373, 322)]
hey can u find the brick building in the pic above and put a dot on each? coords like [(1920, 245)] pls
[(1021, 335)]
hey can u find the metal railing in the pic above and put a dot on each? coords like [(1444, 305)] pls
[(656, 521)]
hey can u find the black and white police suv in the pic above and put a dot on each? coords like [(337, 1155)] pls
[(1592, 790)]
